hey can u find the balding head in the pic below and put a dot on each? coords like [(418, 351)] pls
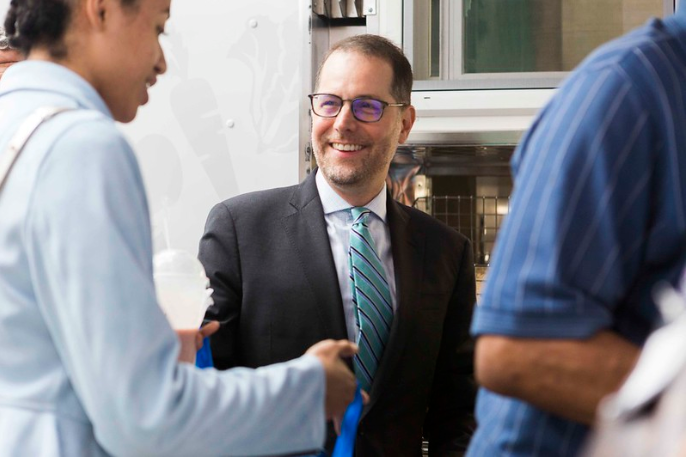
[(383, 49)]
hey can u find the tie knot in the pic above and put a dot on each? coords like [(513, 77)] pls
[(359, 214)]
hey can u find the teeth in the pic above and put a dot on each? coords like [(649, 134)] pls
[(347, 147)]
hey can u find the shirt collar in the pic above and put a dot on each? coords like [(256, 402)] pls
[(332, 202), (51, 77), (676, 23)]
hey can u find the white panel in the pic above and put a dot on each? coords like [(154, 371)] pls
[(475, 117), (479, 103), (390, 14), (4, 6), (224, 119), (235, 63), (370, 7)]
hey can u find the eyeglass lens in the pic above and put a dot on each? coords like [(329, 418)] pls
[(364, 109)]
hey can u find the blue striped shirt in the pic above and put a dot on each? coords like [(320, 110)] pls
[(597, 219)]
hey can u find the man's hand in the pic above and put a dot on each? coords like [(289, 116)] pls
[(338, 421), (191, 340), (205, 331), (340, 381)]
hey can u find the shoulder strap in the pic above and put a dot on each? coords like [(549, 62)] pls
[(24, 133)]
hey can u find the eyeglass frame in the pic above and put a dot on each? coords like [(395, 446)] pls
[(343, 100)]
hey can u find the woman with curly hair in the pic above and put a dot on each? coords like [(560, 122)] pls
[(89, 364)]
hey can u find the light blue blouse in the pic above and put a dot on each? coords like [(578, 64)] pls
[(88, 363)]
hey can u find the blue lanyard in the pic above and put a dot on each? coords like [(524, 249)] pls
[(203, 358), (345, 444)]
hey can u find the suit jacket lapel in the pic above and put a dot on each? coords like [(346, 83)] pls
[(407, 245), (306, 228)]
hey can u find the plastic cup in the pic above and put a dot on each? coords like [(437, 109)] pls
[(182, 293)]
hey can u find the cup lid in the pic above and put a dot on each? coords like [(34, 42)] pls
[(172, 262)]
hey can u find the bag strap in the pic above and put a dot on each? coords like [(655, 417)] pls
[(24, 133)]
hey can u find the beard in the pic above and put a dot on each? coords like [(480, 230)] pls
[(348, 174), (359, 170)]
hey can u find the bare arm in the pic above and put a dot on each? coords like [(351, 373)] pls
[(565, 377)]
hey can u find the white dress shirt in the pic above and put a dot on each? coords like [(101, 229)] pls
[(338, 225)]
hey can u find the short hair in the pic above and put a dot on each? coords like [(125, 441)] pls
[(30, 23), (384, 49)]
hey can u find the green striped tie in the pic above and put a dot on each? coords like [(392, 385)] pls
[(371, 296)]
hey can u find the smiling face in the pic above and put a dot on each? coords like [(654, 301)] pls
[(127, 54), (354, 156)]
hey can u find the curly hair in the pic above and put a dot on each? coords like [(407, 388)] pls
[(31, 23)]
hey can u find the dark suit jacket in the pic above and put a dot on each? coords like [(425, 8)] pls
[(269, 261)]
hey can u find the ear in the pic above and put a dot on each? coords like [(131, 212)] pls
[(95, 12), (409, 115)]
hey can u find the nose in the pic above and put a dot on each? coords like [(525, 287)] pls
[(345, 121), (161, 65)]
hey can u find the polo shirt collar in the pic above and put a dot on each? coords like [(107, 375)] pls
[(676, 24)]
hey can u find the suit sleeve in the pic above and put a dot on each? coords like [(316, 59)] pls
[(450, 423), (219, 255)]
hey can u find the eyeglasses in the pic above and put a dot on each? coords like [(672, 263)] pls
[(364, 109)]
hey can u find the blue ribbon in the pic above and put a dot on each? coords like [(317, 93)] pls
[(345, 444), (203, 358)]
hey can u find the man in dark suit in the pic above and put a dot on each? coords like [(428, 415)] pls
[(280, 264)]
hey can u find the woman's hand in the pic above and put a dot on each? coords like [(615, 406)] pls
[(191, 340)]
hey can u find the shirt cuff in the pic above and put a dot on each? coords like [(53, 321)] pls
[(552, 326)]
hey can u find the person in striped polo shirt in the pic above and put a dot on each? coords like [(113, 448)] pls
[(598, 219)]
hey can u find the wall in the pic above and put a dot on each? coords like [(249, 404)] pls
[(224, 119)]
